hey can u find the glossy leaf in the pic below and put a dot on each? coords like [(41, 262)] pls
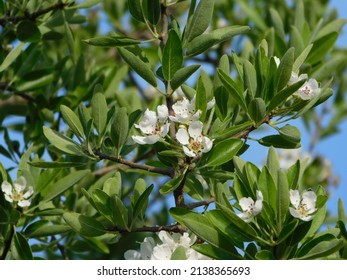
[(62, 185), (20, 248), (182, 75), (113, 185), (62, 142), (120, 212), (172, 56), (119, 129), (201, 226), (284, 71), (201, 99), (200, 20), (135, 9), (142, 203), (283, 201), (152, 10), (11, 57), (84, 225), (171, 185), (250, 77), (27, 31), (290, 133), (257, 111), (138, 65), (113, 40), (214, 252), (233, 89), (278, 141), (301, 58), (101, 201), (99, 111), (72, 120)]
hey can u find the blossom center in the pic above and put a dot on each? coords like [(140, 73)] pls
[(306, 90), (17, 196), (302, 209), (195, 145)]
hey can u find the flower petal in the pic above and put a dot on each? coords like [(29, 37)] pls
[(132, 255), (246, 203), (188, 152), (24, 203), (294, 198), (182, 136), (211, 103), (143, 140), (309, 198), (207, 144), (195, 129), (164, 129), (163, 113), (6, 187), (29, 192), (294, 213)]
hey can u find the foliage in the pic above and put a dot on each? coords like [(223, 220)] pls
[(163, 106)]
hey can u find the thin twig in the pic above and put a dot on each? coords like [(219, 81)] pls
[(163, 171), (171, 228), (200, 203), (31, 16)]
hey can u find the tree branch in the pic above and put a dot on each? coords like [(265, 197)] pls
[(200, 203), (31, 16), (163, 171), (171, 228)]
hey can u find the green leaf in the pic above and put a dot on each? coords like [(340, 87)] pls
[(283, 200), (290, 133), (120, 212), (113, 40), (99, 111), (257, 111), (182, 75), (194, 188), (84, 5), (113, 185), (253, 14), (152, 10), (287, 230), (41, 81), (171, 185), (142, 203), (201, 226), (282, 96), (179, 253), (278, 141), (135, 9), (341, 211), (331, 27), (172, 56), (72, 120), (204, 42), (84, 225), (200, 20), (272, 163), (62, 185), (223, 152), (27, 31), (277, 23), (11, 57), (201, 99), (215, 253), (101, 201), (42, 228), (120, 128), (62, 142), (69, 37), (285, 69), (231, 131), (321, 47), (250, 77), (264, 255), (55, 164), (20, 248), (301, 58), (233, 89), (138, 65)]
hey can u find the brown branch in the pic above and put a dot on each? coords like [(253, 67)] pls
[(179, 193), (171, 228), (31, 16), (200, 203), (163, 171)]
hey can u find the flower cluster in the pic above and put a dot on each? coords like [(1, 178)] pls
[(308, 90), (155, 126), (19, 193), (149, 250), (304, 207)]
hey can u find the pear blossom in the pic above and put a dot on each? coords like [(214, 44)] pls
[(153, 126), (18, 193), (192, 140), (296, 78), (303, 207), (184, 110), (250, 207), (149, 250), (288, 157), (309, 90)]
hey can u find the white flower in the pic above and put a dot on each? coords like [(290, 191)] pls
[(17, 193), (309, 90), (250, 208), (193, 141), (288, 157), (170, 242), (305, 206), (295, 78), (153, 126), (184, 110), (277, 61)]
